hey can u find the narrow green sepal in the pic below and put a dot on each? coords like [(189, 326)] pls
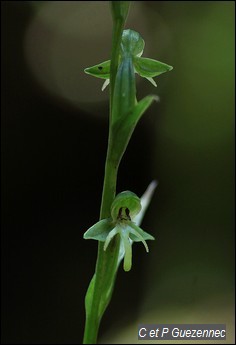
[(100, 230), (101, 70), (149, 68)]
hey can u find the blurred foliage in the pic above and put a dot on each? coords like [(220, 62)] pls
[(194, 151)]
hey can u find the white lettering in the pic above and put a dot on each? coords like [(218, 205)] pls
[(152, 333), (181, 332), (175, 332), (141, 334), (165, 330), (199, 333), (222, 336)]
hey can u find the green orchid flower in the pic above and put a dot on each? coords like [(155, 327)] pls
[(132, 44), (124, 209)]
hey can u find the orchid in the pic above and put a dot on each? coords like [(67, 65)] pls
[(124, 208), (131, 44)]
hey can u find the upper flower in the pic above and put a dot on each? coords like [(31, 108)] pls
[(132, 45)]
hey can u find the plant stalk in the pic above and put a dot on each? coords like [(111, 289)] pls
[(101, 286)]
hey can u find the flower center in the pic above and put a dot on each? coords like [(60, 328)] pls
[(123, 214)]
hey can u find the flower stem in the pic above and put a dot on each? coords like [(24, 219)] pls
[(101, 286)]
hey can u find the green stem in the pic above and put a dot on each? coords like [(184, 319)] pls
[(119, 11), (106, 266), (101, 287)]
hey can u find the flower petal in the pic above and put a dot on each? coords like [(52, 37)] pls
[(110, 237), (102, 70), (106, 82), (152, 81), (100, 230), (147, 68), (143, 234), (141, 239), (128, 250)]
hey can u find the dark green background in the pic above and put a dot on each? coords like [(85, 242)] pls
[(53, 155)]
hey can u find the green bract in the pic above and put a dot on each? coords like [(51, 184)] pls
[(126, 111), (124, 208), (132, 46)]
